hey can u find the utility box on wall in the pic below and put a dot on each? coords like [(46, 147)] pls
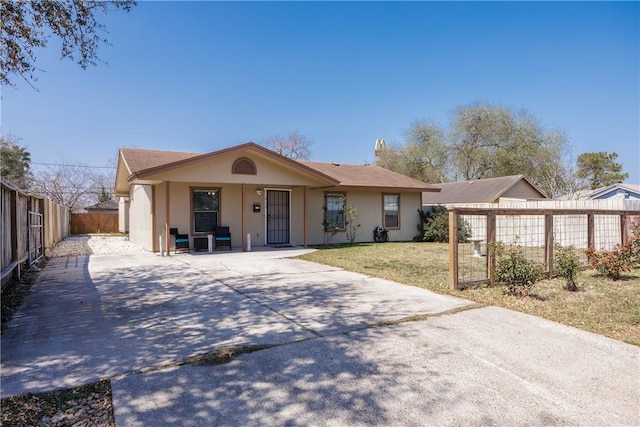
[(256, 207)]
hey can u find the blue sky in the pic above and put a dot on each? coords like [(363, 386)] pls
[(202, 76)]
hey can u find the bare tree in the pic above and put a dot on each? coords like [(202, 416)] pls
[(73, 184), (295, 146)]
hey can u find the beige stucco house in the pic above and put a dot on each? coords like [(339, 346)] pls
[(266, 199)]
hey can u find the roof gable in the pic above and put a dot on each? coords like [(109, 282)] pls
[(238, 150), (612, 191)]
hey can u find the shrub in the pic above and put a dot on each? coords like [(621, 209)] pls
[(351, 214), (434, 226), (621, 258), (514, 270), (567, 265), (634, 240), (611, 263)]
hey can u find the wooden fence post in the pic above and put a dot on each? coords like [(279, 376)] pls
[(548, 243), (491, 240), (591, 239), (453, 249), (624, 232)]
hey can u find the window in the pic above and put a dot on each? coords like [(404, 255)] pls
[(334, 213), (205, 204), (391, 204)]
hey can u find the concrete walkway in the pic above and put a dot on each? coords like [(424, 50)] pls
[(113, 316)]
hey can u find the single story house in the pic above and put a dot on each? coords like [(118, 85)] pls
[(615, 191), (490, 190), (265, 198)]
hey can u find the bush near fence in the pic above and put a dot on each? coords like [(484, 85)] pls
[(537, 231), (85, 223)]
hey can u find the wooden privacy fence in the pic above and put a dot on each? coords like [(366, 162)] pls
[(84, 223), (536, 231), (30, 226)]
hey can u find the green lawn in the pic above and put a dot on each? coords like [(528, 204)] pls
[(603, 306)]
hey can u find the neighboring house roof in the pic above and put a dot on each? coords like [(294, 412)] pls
[(483, 191), (615, 190), (103, 206), (143, 164)]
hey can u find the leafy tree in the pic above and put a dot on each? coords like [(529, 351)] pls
[(434, 226), (424, 156), (27, 25), (15, 162), (484, 141), (295, 146), (104, 195), (600, 169), (491, 141)]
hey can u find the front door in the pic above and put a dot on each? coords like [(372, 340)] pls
[(278, 217)]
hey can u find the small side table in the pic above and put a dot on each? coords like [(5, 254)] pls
[(201, 243)]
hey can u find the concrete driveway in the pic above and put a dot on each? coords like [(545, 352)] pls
[(333, 360)]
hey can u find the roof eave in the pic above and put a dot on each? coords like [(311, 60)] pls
[(394, 188)]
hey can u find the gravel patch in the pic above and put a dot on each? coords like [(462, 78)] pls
[(94, 245)]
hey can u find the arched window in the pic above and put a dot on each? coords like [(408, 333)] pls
[(243, 166)]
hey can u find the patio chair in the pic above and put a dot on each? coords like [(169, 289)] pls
[(182, 240), (223, 237)]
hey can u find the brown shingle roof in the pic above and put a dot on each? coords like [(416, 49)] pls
[(139, 159), (103, 206), (143, 162), (368, 176), (473, 191)]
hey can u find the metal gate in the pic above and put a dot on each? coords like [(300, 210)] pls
[(278, 217), (35, 237)]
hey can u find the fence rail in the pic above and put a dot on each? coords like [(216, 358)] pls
[(536, 231), (30, 226)]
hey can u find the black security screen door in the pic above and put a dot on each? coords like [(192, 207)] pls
[(277, 217)]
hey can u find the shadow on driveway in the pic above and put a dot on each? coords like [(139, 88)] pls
[(90, 318)]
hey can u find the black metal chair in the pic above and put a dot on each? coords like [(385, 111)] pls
[(182, 240), (222, 237)]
